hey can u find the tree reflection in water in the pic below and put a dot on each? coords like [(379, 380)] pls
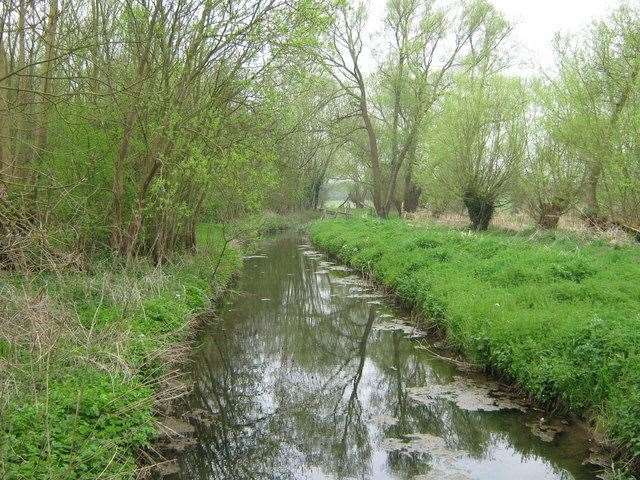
[(303, 386)]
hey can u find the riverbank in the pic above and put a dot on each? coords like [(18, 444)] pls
[(558, 317), (87, 356), (334, 382)]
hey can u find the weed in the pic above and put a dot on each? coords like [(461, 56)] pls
[(83, 358)]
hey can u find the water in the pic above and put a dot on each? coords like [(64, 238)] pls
[(304, 375)]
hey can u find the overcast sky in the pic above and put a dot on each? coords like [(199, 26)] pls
[(535, 24)]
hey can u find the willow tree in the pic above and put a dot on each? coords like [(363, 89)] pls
[(342, 56), (479, 142), (128, 122), (620, 186), (298, 100), (426, 46), (599, 80), (551, 181), (552, 172), (429, 46), (192, 63)]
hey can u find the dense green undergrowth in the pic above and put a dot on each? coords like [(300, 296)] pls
[(558, 316), (85, 356)]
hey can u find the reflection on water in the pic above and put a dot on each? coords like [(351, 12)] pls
[(306, 380)]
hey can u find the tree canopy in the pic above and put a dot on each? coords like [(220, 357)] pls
[(126, 123)]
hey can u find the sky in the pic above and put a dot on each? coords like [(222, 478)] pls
[(535, 22)]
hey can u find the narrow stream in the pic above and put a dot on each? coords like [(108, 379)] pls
[(309, 373)]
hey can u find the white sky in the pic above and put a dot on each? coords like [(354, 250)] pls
[(535, 23)]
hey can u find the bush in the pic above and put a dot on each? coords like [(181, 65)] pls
[(79, 400)]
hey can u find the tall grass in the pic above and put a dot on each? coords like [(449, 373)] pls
[(85, 357), (558, 316)]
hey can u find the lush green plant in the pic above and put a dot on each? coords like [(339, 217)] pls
[(476, 144), (80, 403), (595, 108), (84, 426)]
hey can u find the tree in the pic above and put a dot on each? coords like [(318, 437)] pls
[(479, 141), (342, 57), (150, 119), (552, 173), (620, 192), (427, 45), (598, 81), (551, 182)]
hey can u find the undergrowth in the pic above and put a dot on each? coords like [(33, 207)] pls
[(558, 316), (85, 356)]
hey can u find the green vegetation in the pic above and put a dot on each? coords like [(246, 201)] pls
[(84, 357), (560, 317), (124, 124), (254, 227), (443, 123), (142, 143)]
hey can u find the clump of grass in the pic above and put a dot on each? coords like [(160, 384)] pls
[(560, 317), (86, 356)]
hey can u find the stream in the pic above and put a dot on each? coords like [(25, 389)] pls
[(309, 372)]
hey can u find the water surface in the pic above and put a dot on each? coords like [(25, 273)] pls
[(307, 374)]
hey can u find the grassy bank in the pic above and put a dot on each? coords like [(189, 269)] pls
[(85, 356), (559, 317)]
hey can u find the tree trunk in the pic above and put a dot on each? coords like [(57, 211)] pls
[(130, 243), (549, 216), (412, 192), (396, 161), (594, 167), (41, 136), (398, 204), (95, 56), (5, 160), (151, 165), (117, 234), (190, 236), (374, 159), (592, 213), (480, 211)]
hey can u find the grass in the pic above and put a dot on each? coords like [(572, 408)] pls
[(85, 357), (559, 316)]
